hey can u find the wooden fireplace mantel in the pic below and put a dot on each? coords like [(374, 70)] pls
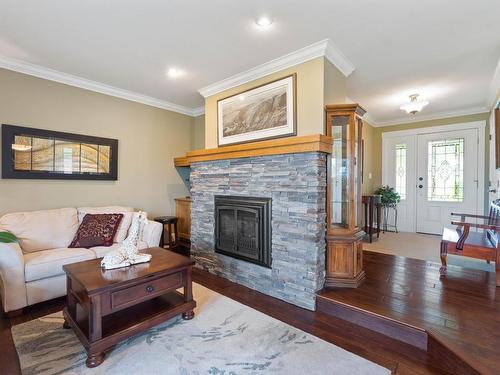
[(290, 145)]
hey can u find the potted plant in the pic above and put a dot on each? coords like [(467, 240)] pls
[(7, 237), (389, 195), (390, 198)]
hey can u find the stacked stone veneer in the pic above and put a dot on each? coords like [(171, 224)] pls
[(297, 185)]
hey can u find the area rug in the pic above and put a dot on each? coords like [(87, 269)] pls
[(224, 338)]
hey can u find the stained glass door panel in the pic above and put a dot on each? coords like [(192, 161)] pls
[(447, 177)]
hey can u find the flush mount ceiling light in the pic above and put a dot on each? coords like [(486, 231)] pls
[(264, 22), (174, 72), (414, 105), (19, 147)]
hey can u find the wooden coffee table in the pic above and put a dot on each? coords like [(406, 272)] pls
[(105, 307)]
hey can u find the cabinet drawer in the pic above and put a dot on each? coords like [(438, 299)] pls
[(146, 290)]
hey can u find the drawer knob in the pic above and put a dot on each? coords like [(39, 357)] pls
[(150, 289)]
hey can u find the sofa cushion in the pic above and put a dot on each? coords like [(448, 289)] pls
[(41, 230), (101, 251), (97, 230), (48, 263), (127, 212)]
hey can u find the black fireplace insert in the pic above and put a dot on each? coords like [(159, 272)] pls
[(243, 228)]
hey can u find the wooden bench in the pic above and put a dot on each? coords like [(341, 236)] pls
[(479, 245)]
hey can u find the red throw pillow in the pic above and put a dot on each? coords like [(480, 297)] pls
[(97, 230)]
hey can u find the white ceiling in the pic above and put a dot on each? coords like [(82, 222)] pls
[(446, 50)]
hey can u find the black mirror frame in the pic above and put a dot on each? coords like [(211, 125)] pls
[(8, 171)]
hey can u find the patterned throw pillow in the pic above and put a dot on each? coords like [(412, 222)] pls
[(97, 230)]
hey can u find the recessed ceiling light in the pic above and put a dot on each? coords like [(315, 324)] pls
[(264, 22), (174, 72), (242, 97)]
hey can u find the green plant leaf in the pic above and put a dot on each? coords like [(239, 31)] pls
[(7, 237), (389, 194)]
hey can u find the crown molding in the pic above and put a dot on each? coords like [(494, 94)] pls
[(83, 83), (198, 111), (337, 58), (434, 116), (323, 48), (494, 92), (369, 119)]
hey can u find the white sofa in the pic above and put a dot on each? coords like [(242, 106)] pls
[(31, 270)]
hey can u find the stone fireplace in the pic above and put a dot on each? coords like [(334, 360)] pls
[(294, 187), (243, 228)]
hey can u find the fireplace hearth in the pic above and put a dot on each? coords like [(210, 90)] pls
[(243, 228)]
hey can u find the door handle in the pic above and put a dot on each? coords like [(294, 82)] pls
[(493, 191), (420, 186)]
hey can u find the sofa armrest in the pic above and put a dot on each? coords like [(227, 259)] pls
[(151, 233), (13, 284)]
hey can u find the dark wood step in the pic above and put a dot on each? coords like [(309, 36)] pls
[(400, 331), (451, 318)]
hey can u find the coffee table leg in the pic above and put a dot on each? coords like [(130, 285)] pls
[(94, 360), (95, 331), (66, 324), (188, 294), (70, 303), (95, 320)]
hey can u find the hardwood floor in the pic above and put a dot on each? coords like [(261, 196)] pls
[(9, 361), (399, 358), (458, 314), (461, 313)]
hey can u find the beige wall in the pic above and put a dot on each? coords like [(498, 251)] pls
[(198, 137), (369, 162), (335, 86), (376, 147), (148, 137), (310, 99)]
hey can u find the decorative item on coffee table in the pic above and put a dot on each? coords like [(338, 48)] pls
[(105, 307), (128, 252)]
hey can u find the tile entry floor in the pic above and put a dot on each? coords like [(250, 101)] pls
[(421, 246)]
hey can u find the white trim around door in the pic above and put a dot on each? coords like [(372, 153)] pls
[(407, 220)]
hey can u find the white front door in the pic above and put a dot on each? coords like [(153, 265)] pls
[(436, 173), (447, 178)]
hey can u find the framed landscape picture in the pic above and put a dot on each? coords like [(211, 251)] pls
[(264, 112)]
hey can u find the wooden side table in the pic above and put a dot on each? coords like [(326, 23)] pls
[(372, 203), (169, 221)]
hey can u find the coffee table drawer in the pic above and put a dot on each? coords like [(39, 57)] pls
[(148, 289)]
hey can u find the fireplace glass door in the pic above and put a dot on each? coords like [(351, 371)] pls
[(243, 228)]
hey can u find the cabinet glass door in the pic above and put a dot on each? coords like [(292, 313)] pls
[(339, 172)]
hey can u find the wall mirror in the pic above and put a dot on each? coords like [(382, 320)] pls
[(31, 153)]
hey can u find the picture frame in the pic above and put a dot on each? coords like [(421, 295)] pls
[(31, 153), (263, 112)]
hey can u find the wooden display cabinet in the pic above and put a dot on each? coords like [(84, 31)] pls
[(183, 214), (344, 255)]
